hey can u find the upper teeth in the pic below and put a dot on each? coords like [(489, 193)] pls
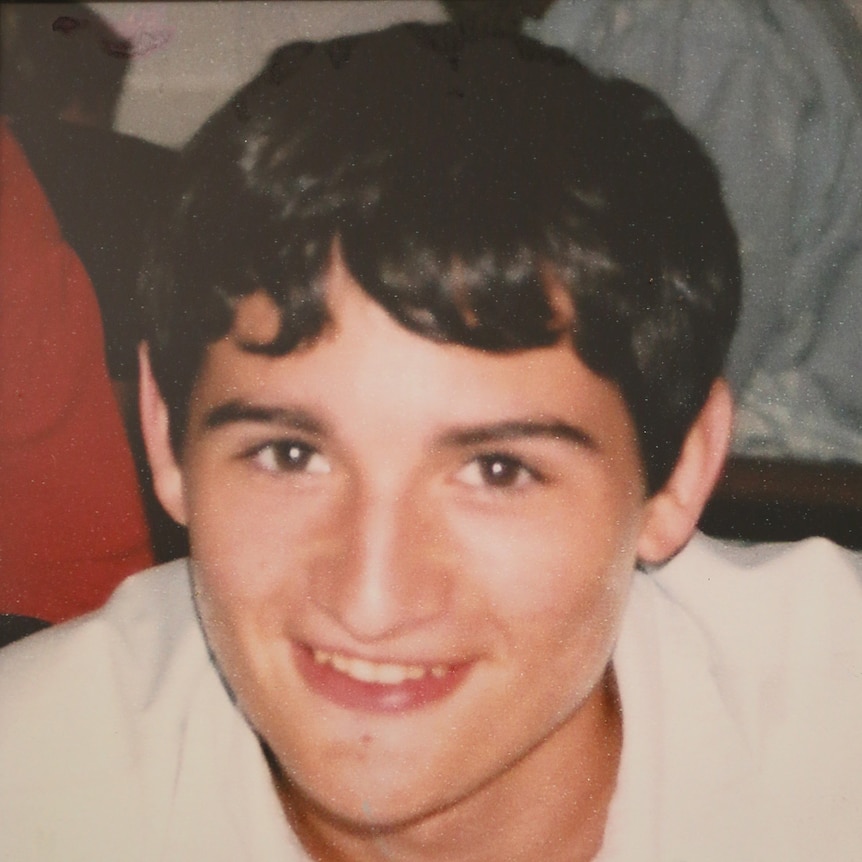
[(367, 671)]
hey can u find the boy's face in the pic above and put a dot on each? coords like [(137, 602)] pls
[(410, 559)]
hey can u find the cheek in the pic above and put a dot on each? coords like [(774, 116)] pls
[(551, 565), (249, 539), (248, 569)]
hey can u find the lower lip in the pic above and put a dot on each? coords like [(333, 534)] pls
[(351, 693)]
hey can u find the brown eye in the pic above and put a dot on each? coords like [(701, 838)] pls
[(290, 456), (496, 471)]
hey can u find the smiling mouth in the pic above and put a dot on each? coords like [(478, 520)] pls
[(383, 673), (369, 686)]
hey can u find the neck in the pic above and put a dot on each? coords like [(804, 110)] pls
[(550, 805)]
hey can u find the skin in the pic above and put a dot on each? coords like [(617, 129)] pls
[(383, 496)]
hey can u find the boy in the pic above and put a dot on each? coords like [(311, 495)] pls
[(433, 369)]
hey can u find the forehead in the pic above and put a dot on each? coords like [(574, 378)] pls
[(360, 328)]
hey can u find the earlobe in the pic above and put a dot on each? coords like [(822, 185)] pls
[(673, 512), (155, 423)]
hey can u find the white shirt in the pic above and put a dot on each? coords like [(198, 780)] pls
[(740, 674)]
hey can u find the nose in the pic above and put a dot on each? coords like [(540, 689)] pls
[(385, 571)]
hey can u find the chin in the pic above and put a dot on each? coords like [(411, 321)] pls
[(366, 805)]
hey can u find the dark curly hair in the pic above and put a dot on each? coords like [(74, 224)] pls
[(457, 173)]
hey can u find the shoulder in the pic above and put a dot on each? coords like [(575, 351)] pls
[(92, 718), (743, 668), (788, 612), (139, 626), (810, 588)]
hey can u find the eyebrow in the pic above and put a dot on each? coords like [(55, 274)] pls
[(242, 411), (301, 420), (517, 429)]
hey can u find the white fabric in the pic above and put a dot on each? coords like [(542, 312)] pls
[(740, 675), (119, 743)]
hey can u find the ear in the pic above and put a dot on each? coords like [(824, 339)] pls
[(155, 424), (673, 512)]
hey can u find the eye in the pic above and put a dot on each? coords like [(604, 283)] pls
[(289, 456), (497, 471)]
